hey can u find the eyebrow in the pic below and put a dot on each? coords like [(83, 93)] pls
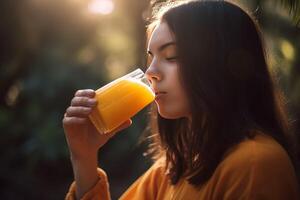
[(162, 47)]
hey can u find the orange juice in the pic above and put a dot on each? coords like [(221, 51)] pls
[(119, 101)]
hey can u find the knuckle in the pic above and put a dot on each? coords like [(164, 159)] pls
[(86, 110), (91, 92), (66, 120), (85, 92), (77, 101), (68, 109), (73, 101), (83, 100), (78, 92), (81, 110)]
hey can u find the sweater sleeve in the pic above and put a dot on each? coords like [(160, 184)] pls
[(260, 172), (100, 191)]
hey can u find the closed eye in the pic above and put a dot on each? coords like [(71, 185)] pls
[(171, 58)]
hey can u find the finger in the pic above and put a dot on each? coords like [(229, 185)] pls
[(78, 111), (74, 120), (84, 101), (85, 93)]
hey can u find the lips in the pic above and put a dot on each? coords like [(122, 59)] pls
[(159, 95)]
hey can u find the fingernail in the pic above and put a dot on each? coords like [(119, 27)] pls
[(93, 101)]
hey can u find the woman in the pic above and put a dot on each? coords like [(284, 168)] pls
[(219, 126)]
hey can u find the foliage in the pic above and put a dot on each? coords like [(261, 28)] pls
[(294, 9), (51, 48)]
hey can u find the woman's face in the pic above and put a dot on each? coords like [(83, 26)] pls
[(163, 76)]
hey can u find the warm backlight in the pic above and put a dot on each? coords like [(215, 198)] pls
[(103, 7)]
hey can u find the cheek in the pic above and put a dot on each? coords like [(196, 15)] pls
[(173, 108), (174, 105)]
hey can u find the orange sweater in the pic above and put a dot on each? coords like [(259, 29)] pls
[(257, 169)]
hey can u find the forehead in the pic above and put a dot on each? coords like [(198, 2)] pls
[(160, 35)]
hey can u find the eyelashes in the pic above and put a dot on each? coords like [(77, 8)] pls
[(171, 58)]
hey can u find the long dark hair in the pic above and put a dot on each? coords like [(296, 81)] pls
[(232, 93)]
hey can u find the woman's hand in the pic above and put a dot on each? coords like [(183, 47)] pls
[(84, 140), (82, 137)]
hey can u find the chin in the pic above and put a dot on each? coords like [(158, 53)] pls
[(170, 114)]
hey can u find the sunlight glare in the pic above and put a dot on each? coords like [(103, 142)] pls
[(103, 7)]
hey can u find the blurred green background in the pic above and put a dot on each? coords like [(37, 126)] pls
[(51, 48)]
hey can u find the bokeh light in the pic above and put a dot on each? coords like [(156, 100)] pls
[(287, 50), (103, 7)]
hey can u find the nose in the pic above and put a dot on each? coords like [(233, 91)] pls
[(153, 74)]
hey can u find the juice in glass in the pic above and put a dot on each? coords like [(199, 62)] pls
[(119, 100)]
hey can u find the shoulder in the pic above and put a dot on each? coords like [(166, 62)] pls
[(258, 167), (257, 154), (156, 171)]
